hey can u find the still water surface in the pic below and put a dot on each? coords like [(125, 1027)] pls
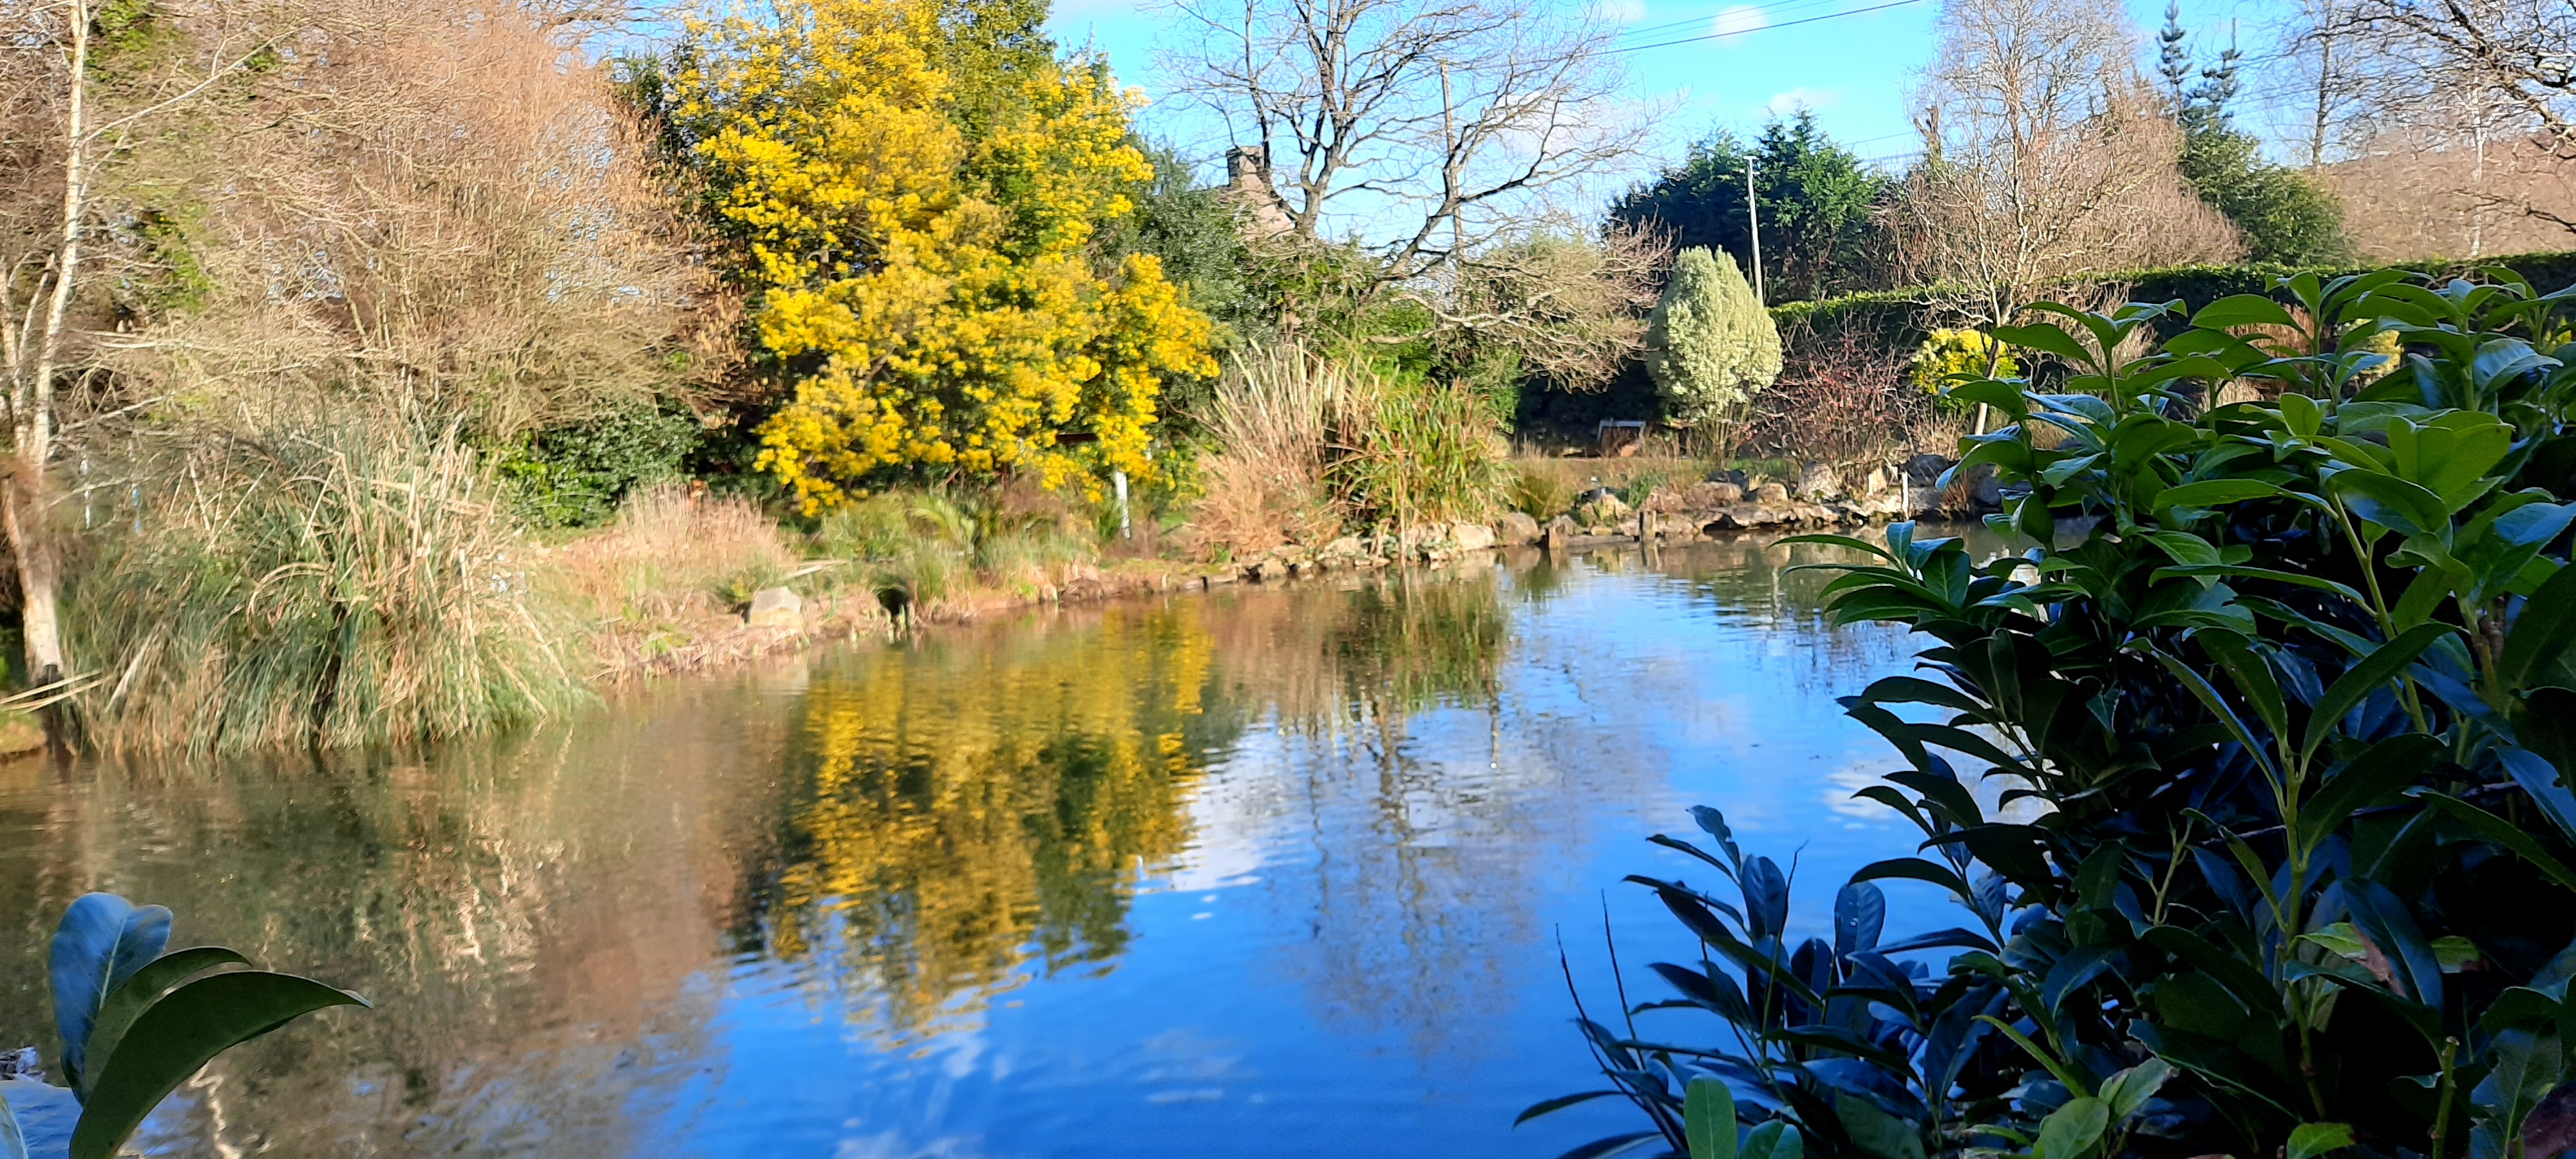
[(1265, 872)]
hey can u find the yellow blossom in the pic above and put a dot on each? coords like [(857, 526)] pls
[(935, 292)]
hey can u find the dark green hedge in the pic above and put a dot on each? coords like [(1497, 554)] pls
[(1899, 316)]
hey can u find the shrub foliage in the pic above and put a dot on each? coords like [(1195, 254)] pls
[(917, 221), (2279, 713), (1709, 344)]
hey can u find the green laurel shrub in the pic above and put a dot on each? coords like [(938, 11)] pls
[(2250, 784)]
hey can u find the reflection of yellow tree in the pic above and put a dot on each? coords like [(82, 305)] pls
[(974, 812)]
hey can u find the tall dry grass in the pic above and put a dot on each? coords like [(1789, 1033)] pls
[(648, 587), (309, 584), (1272, 421), (670, 555), (1307, 444)]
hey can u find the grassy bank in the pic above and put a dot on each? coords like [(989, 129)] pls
[(293, 577)]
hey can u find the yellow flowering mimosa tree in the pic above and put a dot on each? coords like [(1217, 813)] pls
[(934, 294)]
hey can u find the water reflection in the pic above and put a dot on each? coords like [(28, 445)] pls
[(1263, 871), (969, 814)]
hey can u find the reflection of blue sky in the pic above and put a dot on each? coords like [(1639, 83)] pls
[(1357, 956)]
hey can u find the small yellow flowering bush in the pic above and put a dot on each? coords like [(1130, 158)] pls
[(1950, 353), (934, 294)]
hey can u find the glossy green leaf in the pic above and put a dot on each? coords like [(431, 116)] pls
[(1773, 1140), (2542, 631), (2391, 502), (2366, 676), (2072, 1131), (102, 940), (2302, 415), (2213, 492), (1879, 1135), (2379, 775), (44, 1113), (1561, 1102), (180, 1034), (2130, 1089), (2534, 523), (13, 1140), (2243, 310), (2073, 1081), (2504, 833), (2310, 1140), (148, 984), (1708, 1118), (2047, 338), (1860, 912), (2209, 697), (2232, 571), (2451, 454)]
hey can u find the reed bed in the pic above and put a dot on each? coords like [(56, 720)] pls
[(1410, 453), (1272, 421), (1308, 444), (327, 586)]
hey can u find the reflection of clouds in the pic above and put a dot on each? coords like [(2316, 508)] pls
[(1859, 773)]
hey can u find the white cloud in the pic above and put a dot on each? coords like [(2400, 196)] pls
[(1785, 104), (1739, 19)]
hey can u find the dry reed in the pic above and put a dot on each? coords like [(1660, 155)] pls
[(331, 586), (1271, 419)]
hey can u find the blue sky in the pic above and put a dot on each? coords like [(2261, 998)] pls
[(1853, 71)]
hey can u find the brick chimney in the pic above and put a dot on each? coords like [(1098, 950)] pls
[(1248, 185)]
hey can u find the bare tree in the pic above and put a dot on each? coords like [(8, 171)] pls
[(82, 96), (436, 214), (1571, 310), (2508, 66), (2048, 159), (2323, 85), (454, 221), (1433, 127), (2488, 86)]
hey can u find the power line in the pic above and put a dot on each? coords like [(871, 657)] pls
[(1766, 10), (1766, 27)]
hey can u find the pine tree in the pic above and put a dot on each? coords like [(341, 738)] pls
[(1709, 346), (2283, 216)]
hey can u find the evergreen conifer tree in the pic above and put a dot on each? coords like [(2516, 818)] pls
[(1709, 345)]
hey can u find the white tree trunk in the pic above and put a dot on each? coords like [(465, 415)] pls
[(22, 509)]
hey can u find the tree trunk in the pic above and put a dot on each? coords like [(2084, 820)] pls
[(22, 510)]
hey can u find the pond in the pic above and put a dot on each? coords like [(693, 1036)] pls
[(1266, 871)]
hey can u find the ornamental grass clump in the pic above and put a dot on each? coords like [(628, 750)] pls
[(324, 585), (1408, 452), (2284, 861)]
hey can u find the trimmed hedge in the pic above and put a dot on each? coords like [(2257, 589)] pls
[(1899, 315)]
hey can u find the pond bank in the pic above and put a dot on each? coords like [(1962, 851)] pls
[(721, 639)]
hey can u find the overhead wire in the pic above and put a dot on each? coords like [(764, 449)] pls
[(1764, 28), (1766, 11)]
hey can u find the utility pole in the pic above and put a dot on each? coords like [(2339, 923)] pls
[(1753, 213)]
